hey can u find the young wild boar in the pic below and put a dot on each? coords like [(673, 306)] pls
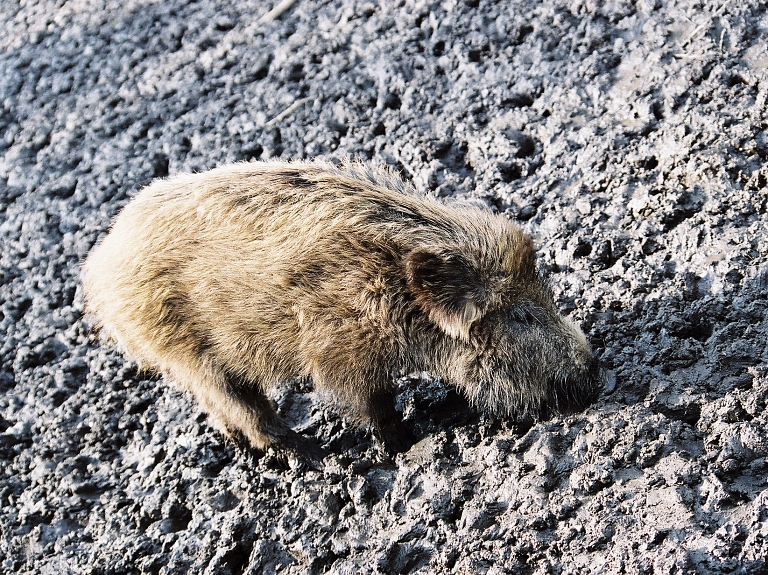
[(235, 279)]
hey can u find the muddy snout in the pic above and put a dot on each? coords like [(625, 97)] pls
[(574, 391), (577, 384)]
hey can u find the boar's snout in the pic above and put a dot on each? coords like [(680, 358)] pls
[(575, 391), (574, 383)]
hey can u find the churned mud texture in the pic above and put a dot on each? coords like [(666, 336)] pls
[(628, 137)]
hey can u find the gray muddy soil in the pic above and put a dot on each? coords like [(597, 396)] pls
[(627, 137)]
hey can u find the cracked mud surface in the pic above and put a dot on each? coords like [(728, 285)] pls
[(629, 138)]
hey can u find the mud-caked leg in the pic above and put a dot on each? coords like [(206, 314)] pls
[(379, 408), (241, 408)]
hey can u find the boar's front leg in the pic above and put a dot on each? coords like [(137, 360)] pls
[(379, 409), (238, 407)]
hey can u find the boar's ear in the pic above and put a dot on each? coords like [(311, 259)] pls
[(448, 288)]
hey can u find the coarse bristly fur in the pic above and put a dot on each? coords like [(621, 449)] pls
[(237, 278)]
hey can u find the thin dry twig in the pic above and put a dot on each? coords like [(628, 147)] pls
[(277, 11), (287, 112), (701, 27)]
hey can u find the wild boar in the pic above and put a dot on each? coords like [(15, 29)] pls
[(232, 280)]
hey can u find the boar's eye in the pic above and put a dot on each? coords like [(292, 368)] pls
[(524, 314)]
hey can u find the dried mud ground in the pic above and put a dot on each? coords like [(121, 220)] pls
[(627, 137)]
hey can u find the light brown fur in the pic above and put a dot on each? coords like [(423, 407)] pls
[(235, 279)]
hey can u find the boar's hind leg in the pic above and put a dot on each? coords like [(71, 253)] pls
[(240, 408), (379, 408)]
